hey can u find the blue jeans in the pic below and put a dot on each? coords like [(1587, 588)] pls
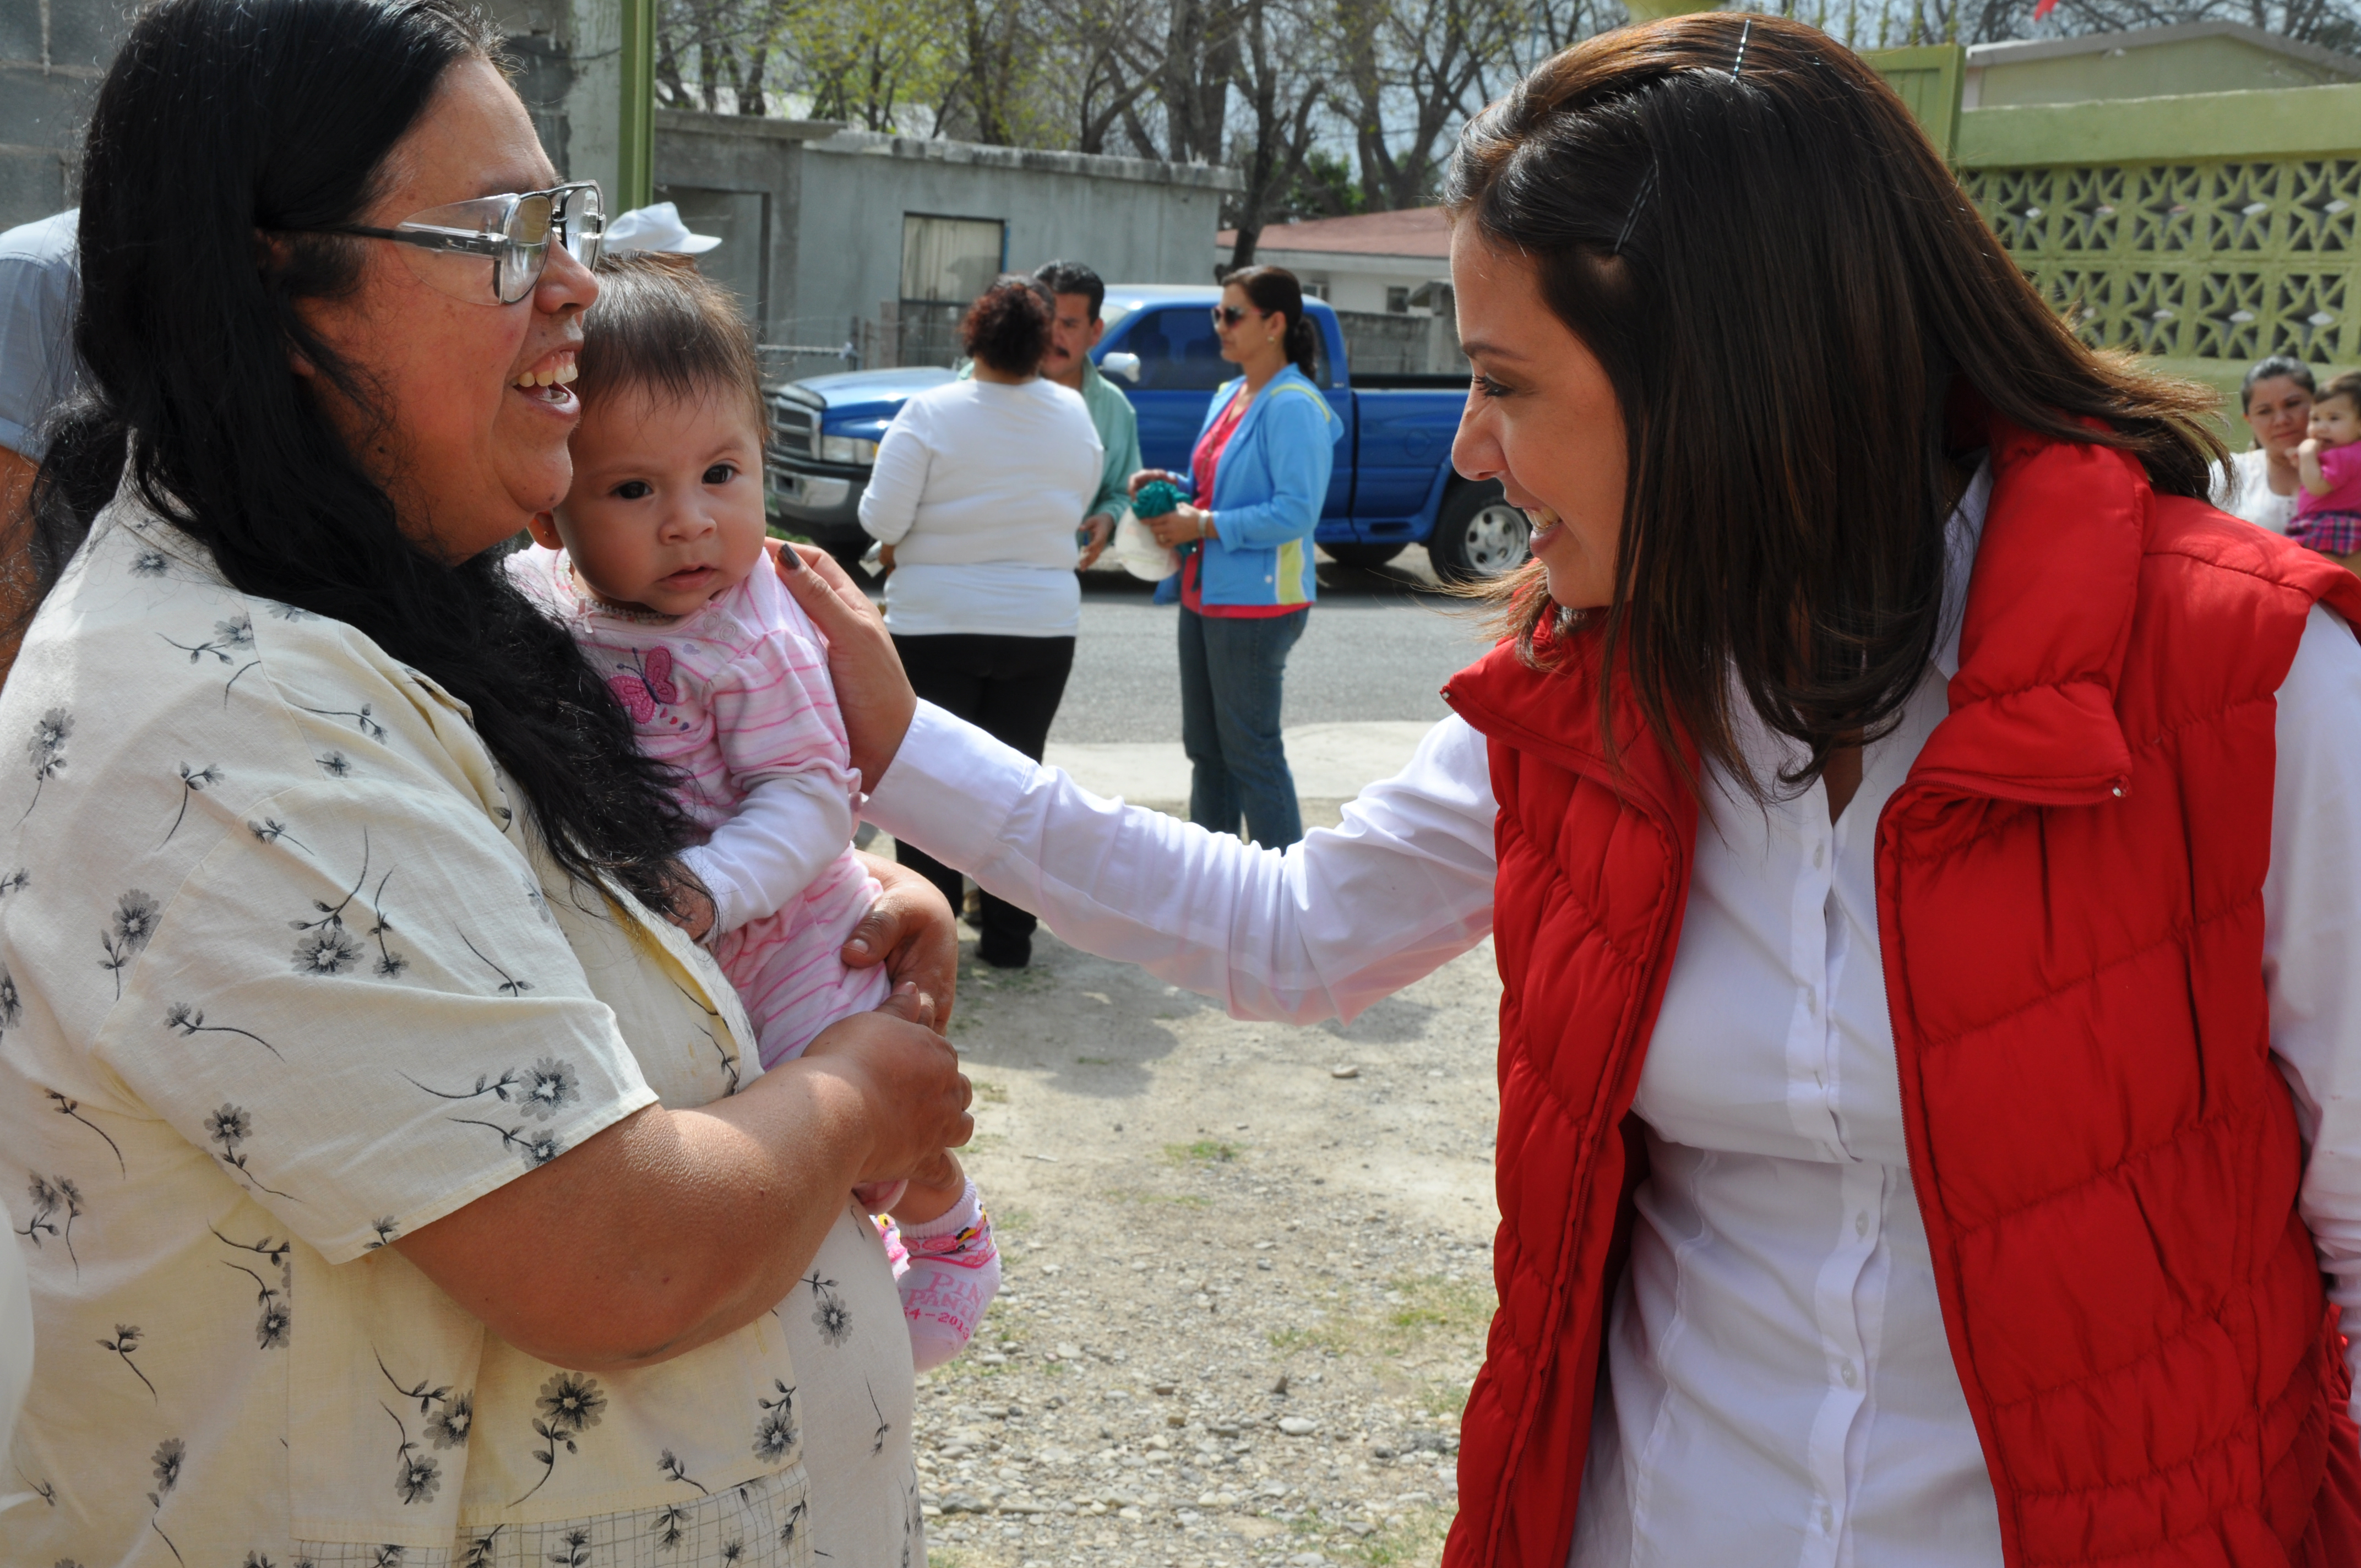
[(1231, 670)]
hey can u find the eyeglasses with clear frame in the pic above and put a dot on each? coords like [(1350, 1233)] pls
[(511, 232)]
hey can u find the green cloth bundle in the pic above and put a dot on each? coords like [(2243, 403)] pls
[(1156, 498)]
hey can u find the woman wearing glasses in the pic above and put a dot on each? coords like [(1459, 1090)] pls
[(400, 1185), (1259, 477)]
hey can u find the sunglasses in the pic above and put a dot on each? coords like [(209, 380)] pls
[(511, 232), (1231, 315)]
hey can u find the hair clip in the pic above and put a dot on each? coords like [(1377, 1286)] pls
[(1738, 63), (1639, 200)]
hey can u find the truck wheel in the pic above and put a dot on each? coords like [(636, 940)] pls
[(1477, 535), (1366, 556)]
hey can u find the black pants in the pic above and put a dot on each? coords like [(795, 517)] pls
[(1009, 687)]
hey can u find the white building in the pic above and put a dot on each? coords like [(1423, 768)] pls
[(1380, 263)]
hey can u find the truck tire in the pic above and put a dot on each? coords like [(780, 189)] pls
[(1367, 557), (1477, 535)]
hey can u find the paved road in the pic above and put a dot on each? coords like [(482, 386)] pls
[(1377, 647)]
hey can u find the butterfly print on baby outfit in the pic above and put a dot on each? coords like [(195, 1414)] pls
[(647, 686)]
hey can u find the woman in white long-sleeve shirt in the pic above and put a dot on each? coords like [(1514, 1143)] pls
[(2021, 874), (978, 493), (2260, 483)]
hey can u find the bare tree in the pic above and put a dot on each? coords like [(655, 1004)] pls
[(869, 63), (1201, 59), (988, 73), (1412, 71), (1100, 64), (1283, 90), (1379, 89)]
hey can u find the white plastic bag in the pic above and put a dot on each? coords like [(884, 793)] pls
[(1137, 551)]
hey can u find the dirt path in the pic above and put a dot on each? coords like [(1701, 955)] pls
[(1247, 1275)]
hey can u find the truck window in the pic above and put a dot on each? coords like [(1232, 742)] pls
[(1177, 351)]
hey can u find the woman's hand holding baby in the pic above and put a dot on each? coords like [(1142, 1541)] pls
[(931, 1191), (913, 933), (901, 1086)]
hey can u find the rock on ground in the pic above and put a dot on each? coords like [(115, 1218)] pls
[(1244, 1295)]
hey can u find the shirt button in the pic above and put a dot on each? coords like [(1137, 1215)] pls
[(1850, 1374), (1828, 1517), (1819, 856), (1860, 1223)]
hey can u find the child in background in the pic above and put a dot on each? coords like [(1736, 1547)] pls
[(656, 562), (2328, 473)]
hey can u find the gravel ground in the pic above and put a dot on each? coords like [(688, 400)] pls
[(1246, 1274)]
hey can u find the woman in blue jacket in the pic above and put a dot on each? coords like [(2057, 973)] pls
[(1259, 477)]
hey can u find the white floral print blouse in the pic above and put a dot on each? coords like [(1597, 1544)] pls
[(283, 977)]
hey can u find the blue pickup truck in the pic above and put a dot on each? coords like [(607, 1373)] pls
[(1393, 485)]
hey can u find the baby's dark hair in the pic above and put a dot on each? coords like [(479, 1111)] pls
[(2348, 385), (661, 327)]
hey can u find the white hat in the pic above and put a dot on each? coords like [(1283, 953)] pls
[(656, 229)]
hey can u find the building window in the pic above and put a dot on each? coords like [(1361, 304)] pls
[(1398, 302), (946, 263)]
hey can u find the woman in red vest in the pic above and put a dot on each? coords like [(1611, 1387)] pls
[(1922, 841)]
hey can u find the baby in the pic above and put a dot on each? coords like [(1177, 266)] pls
[(2328, 471), (656, 562)]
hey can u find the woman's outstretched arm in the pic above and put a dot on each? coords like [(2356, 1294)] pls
[(1350, 914)]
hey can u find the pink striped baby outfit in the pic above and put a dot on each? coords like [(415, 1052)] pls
[(737, 698)]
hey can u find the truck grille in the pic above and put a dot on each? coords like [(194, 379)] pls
[(791, 431)]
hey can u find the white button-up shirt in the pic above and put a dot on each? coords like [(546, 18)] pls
[(1780, 1388)]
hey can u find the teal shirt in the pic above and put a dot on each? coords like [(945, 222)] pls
[(1118, 427)]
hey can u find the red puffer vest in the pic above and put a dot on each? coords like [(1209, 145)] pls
[(2070, 904)]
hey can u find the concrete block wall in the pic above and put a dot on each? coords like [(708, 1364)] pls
[(703, 161), (53, 53), (1133, 220)]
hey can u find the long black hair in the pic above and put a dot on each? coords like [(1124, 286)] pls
[(219, 121), (1794, 300), (1276, 292)]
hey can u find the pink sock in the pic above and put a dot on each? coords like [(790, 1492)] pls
[(952, 1275)]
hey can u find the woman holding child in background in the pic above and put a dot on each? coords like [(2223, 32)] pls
[(1926, 885), (979, 490), (1257, 478), (2261, 484), (401, 1180)]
